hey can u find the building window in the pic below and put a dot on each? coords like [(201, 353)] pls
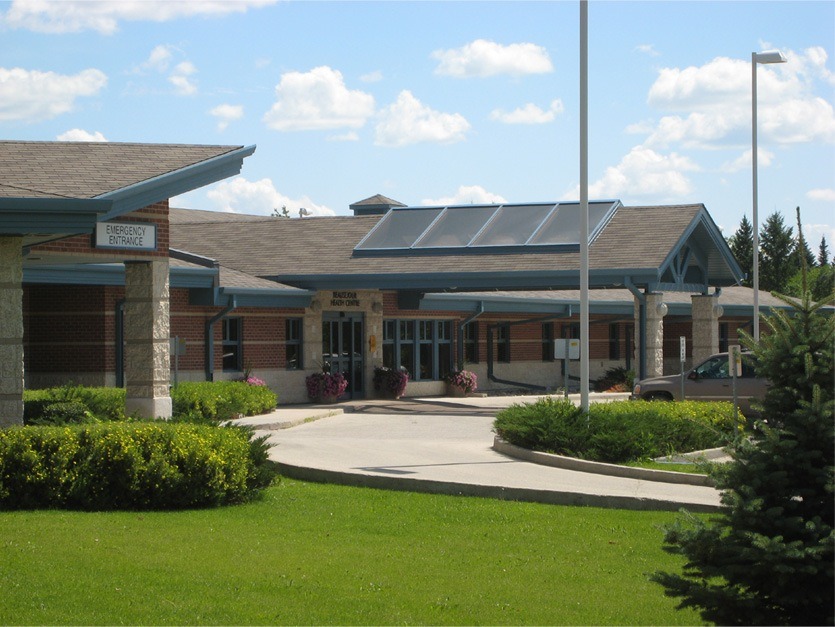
[(293, 343), (614, 341), (421, 347), (547, 341), (503, 343), (233, 344), (723, 337), (471, 342)]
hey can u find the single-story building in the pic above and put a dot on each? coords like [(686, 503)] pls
[(105, 284)]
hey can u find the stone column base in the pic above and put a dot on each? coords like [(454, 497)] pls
[(159, 407)]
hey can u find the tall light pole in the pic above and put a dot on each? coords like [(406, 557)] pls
[(770, 56), (584, 205)]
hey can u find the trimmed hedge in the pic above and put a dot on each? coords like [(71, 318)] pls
[(150, 465), (220, 400), (616, 432), (59, 405)]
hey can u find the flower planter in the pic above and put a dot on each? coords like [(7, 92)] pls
[(327, 399), (455, 391)]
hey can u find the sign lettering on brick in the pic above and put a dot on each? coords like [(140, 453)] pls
[(126, 235)]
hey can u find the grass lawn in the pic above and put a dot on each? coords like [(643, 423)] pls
[(322, 554)]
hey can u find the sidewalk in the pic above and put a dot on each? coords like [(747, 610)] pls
[(445, 445)]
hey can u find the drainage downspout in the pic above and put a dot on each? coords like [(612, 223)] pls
[(120, 343), (210, 337), (642, 327), (494, 378), (461, 334)]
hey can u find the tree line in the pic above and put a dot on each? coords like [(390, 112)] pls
[(781, 258)]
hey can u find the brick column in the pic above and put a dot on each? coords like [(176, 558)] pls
[(147, 332), (654, 341), (705, 332), (11, 331)]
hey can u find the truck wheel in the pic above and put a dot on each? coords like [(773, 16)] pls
[(659, 396)]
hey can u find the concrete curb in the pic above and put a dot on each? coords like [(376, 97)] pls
[(613, 470), (551, 497)]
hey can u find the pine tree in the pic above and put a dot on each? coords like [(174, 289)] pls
[(777, 263), (802, 253), (742, 246), (823, 252), (768, 558)]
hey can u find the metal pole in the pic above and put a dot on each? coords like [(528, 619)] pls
[(584, 205), (754, 178)]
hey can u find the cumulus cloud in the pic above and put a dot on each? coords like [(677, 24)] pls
[(648, 49), (72, 16), (528, 114), (484, 58), (227, 113), (826, 194), (158, 60), (317, 100), (182, 78), (372, 77), (467, 195), (350, 136), (80, 135), (31, 95), (409, 121), (715, 101), (764, 159), (641, 174), (240, 195)]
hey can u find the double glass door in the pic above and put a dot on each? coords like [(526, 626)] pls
[(342, 349)]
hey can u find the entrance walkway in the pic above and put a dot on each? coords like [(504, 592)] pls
[(444, 445)]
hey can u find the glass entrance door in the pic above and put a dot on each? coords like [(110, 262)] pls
[(342, 349)]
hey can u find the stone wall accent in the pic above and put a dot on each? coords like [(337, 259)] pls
[(654, 354), (147, 332), (705, 333), (11, 331)]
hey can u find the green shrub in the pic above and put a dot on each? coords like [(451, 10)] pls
[(102, 403), (220, 400), (617, 379), (617, 432), (151, 465)]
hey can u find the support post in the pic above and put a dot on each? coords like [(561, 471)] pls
[(11, 331)]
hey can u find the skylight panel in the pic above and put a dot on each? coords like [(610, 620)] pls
[(563, 226), (399, 229), (456, 227), (513, 225)]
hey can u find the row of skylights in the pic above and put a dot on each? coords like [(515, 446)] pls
[(485, 227)]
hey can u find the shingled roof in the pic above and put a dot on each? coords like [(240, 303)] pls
[(89, 169), (318, 253)]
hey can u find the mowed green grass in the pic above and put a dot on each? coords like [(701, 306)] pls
[(322, 554)]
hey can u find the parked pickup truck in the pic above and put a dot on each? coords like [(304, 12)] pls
[(709, 381)]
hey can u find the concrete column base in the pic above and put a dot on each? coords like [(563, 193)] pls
[(159, 407), (705, 334)]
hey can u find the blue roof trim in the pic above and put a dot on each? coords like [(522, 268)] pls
[(177, 182), (110, 274), (46, 216), (252, 297), (520, 304)]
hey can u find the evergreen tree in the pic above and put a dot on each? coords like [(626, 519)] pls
[(777, 263), (742, 246), (768, 558), (801, 252), (823, 252)]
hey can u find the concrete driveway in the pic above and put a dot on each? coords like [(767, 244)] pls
[(445, 446)]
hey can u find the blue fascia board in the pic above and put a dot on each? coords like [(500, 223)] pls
[(109, 274), (471, 281), (177, 182), (251, 297), (520, 304), (51, 215)]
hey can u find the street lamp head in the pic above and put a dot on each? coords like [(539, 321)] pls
[(770, 56)]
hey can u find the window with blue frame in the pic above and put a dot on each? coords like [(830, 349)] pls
[(471, 342), (293, 343), (421, 347), (233, 344)]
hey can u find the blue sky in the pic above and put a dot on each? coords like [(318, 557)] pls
[(437, 102)]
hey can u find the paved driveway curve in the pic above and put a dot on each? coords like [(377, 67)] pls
[(448, 450)]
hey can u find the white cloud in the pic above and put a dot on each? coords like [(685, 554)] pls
[(72, 16), (529, 114), (158, 60), (764, 159), (716, 100), (648, 49), (643, 174), (350, 136), (227, 113), (181, 78), (466, 195), (826, 194), (33, 96), (80, 135), (372, 77), (409, 121), (317, 100), (487, 58), (239, 195)]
